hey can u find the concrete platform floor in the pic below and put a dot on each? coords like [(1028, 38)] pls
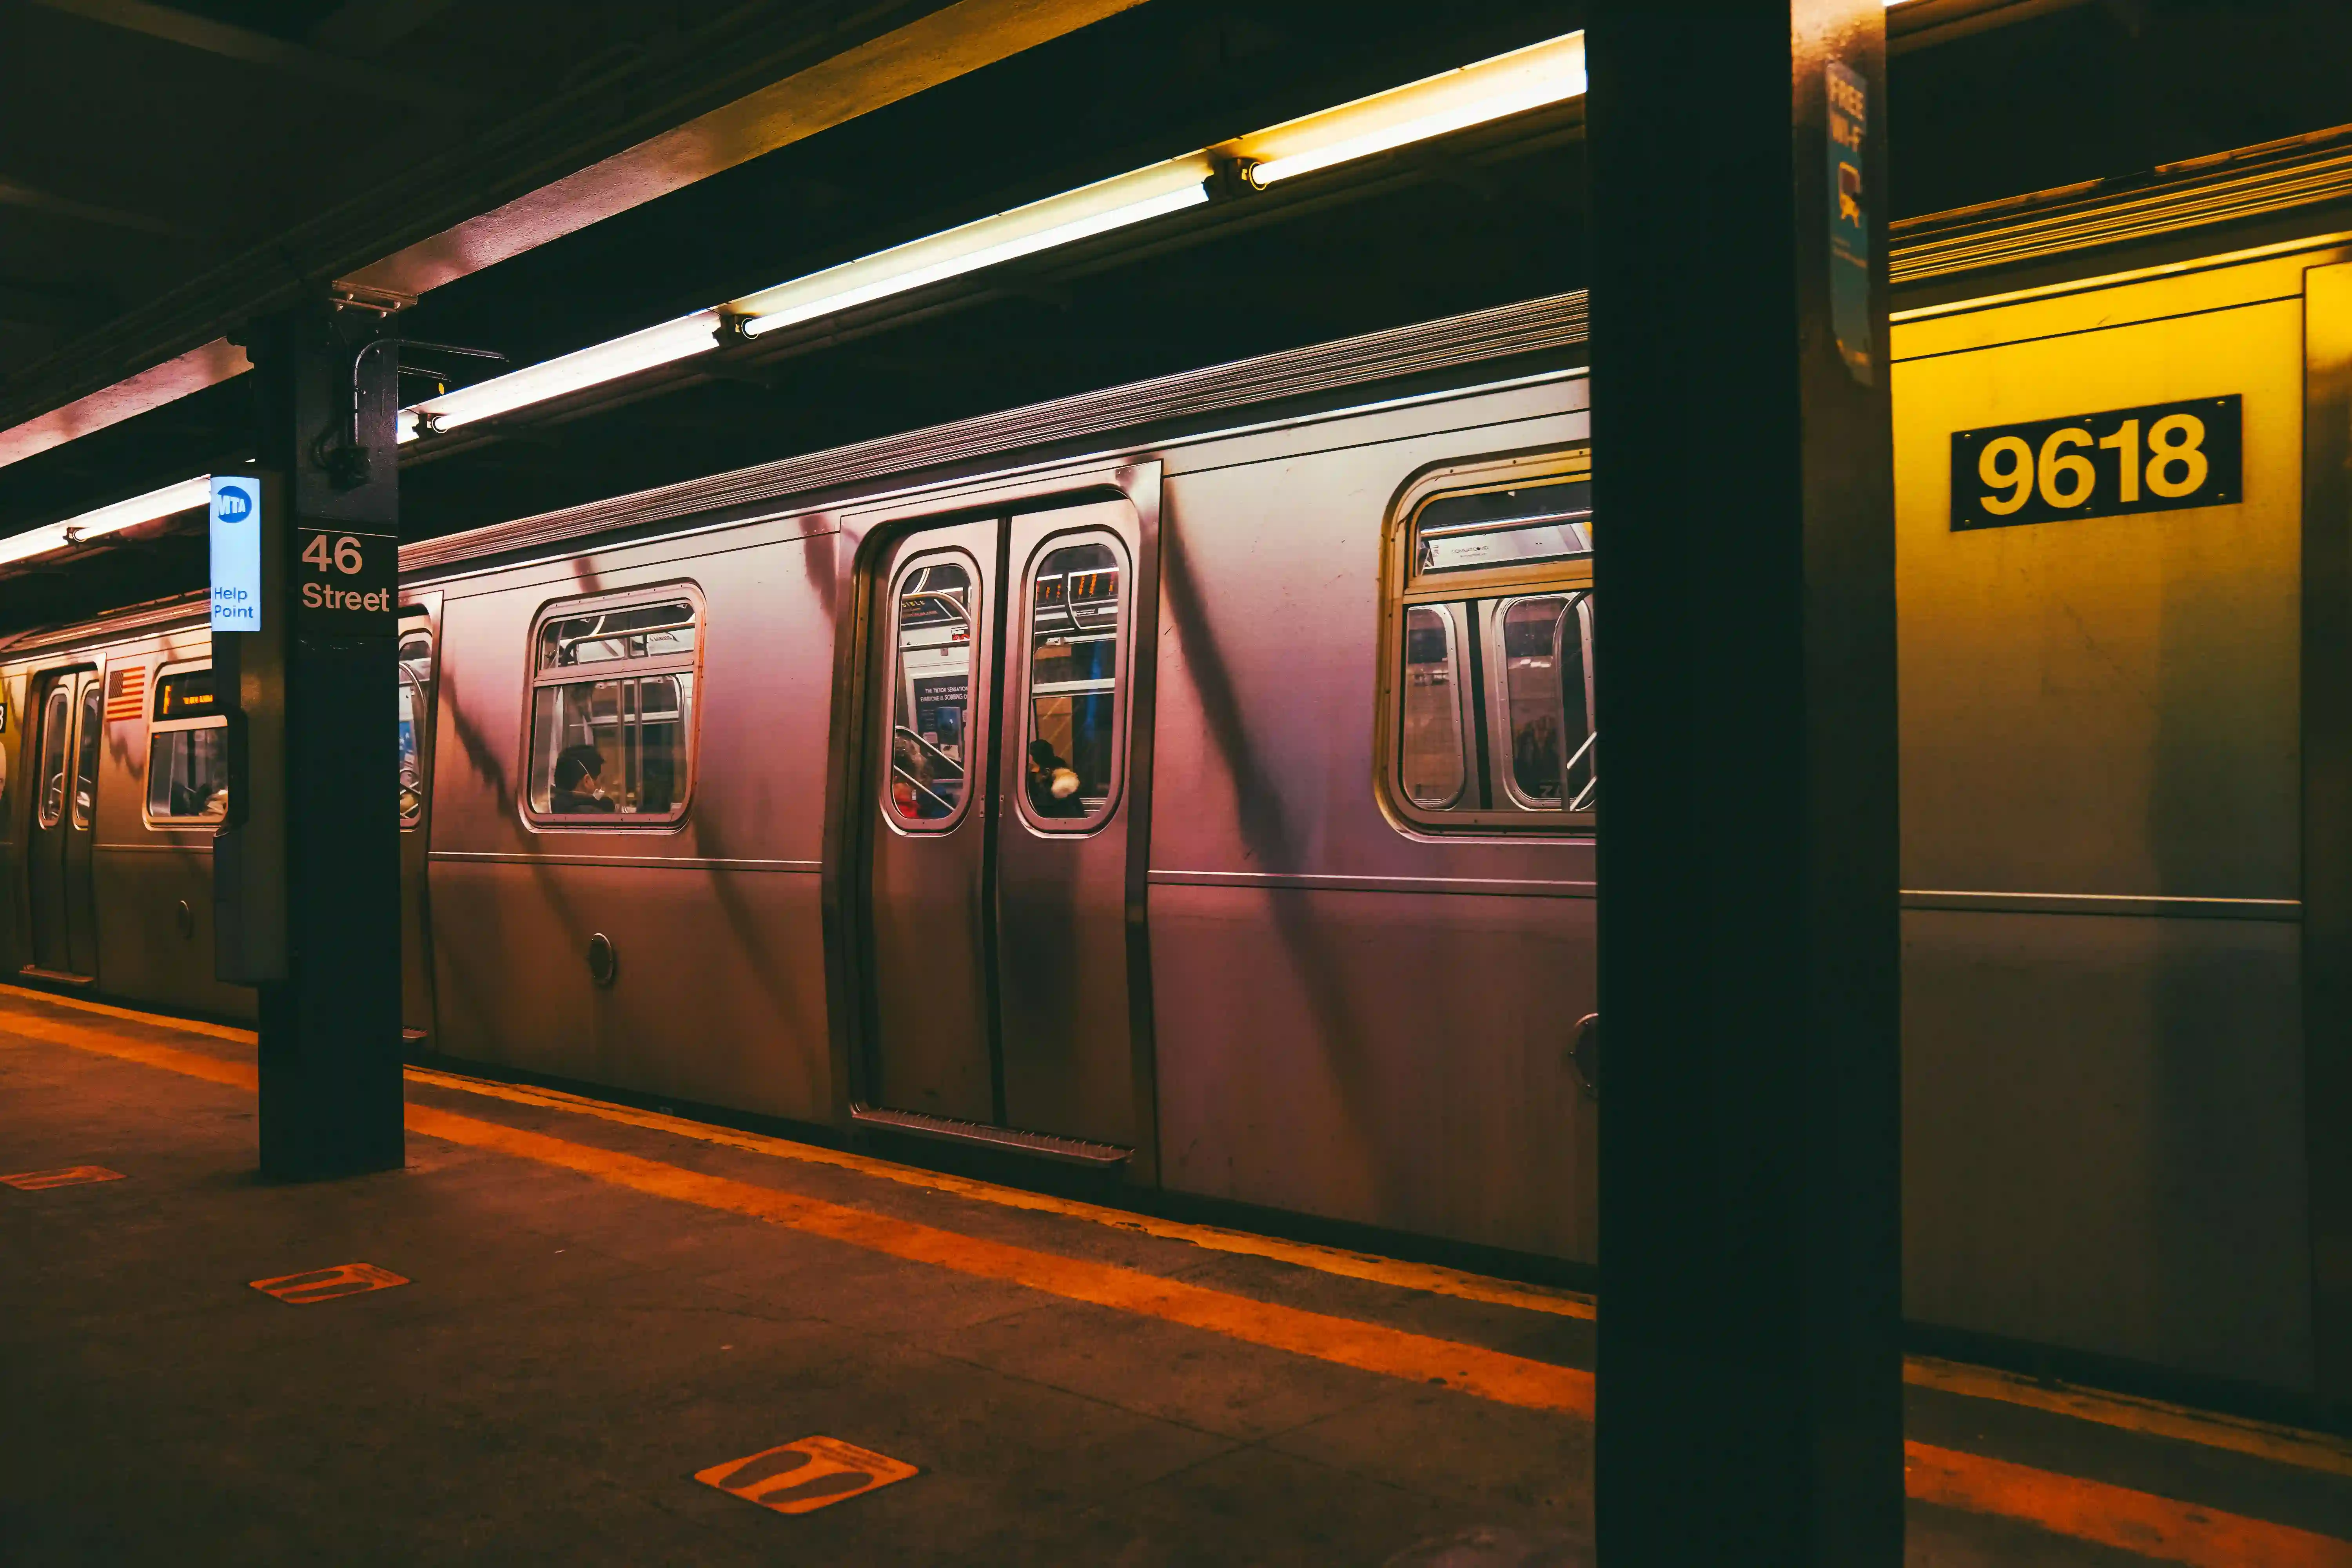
[(602, 1303)]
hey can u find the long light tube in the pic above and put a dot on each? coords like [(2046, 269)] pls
[(1114, 203), (671, 341), (1540, 74), (1531, 77), (188, 495)]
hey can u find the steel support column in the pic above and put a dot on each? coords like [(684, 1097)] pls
[(1749, 1363), (315, 707)]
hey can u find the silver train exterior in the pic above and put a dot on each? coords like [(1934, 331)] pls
[(1194, 780)]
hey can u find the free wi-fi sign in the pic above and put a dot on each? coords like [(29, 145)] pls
[(2159, 457)]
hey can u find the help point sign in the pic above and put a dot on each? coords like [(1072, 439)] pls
[(236, 553)]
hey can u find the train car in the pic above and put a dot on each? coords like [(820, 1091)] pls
[(1196, 781)]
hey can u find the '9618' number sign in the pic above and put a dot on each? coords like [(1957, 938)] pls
[(2162, 456)]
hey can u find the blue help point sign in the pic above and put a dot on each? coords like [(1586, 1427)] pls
[(236, 553)]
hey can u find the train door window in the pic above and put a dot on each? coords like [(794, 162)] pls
[(1544, 699), (57, 729), (415, 672), (1070, 753), (1489, 697), (620, 743), (1431, 760), (187, 756), (930, 725), (87, 736)]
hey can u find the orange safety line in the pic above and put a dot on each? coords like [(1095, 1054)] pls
[(2262, 1440), (1429, 1278), (2135, 1521), (1371, 1347), (2143, 1522)]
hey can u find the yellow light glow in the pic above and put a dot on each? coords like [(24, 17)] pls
[(1540, 74), (671, 341), (1077, 215), (188, 495)]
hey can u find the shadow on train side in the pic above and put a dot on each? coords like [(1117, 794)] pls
[(1267, 834)]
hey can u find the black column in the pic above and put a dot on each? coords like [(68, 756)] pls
[(330, 1045), (1750, 1361)]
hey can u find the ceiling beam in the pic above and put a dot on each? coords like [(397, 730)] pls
[(364, 27), (16, 194), (607, 145), (152, 388), (271, 52), (1923, 24), (44, 309)]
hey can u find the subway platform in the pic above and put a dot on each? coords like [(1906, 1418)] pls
[(577, 1331)]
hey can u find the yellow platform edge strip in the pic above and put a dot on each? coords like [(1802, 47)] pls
[(2268, 1441), (2141, 1522)]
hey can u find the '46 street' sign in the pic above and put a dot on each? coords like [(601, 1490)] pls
[(346, 581)]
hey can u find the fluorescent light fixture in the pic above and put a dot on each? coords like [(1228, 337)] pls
[(1113, 204), (1509, 84), (1540, 74), (188, 495), (681, 339)]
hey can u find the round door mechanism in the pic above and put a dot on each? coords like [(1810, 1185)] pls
[(186, 918), (603, 960), (1585, 1054)]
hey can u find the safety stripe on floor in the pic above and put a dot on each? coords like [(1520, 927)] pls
[(1428, 1277), (2268, 1441), (2141, 1522)]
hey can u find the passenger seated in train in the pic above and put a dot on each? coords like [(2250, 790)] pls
[(1535, 758), (1053, 783), (915, 783), (579, 781)]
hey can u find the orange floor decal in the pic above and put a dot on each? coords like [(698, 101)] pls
[(808, 1475), (326, 1284), (68, 1176)]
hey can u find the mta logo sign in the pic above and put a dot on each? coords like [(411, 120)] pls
[(236, 553)]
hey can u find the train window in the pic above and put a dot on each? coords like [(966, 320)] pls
[(56, 727), (93, 725), (416, 669), (1540, 657), (1490, 714), (931, 703), (641, 631), (1523, 525), (1431, 762), (618, 745), (1070, 754), (187, 755)]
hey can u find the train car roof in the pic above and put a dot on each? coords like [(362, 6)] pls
[(1544, 332)]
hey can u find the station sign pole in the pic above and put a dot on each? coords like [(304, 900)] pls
[(1749, 1355), (305, 622)]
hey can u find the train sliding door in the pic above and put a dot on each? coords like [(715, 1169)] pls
[(416, 704), (70, 705), (995, 889)]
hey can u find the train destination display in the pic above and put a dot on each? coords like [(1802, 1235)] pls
[(2159, 457)]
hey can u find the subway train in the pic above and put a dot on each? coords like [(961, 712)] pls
[(1196, 781)]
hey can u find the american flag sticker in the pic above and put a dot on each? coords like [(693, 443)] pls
[(126, 692)]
